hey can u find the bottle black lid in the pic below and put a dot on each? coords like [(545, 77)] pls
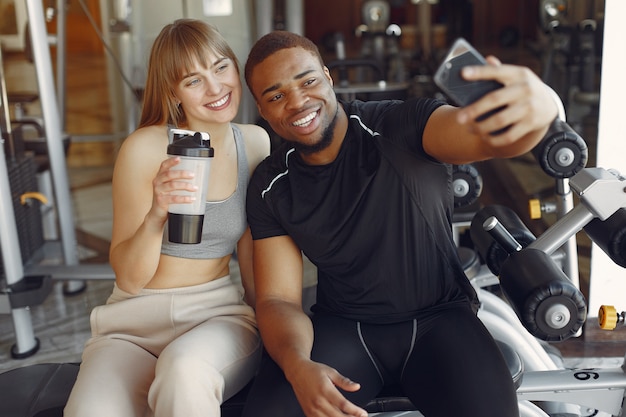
[(197, 145)]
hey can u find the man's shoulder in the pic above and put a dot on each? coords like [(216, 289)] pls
[(275, 164), (368, 108), (377, 110), (279, 157)]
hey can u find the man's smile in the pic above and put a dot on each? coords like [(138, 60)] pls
[(306, 120)]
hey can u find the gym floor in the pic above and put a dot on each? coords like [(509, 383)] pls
[(61, 323)]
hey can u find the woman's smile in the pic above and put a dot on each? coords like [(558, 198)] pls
[(219, 103)]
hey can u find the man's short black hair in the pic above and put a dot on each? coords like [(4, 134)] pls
[(274, 42)]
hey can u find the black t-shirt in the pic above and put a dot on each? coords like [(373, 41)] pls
[(376, 221)]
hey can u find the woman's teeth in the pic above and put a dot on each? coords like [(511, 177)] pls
[(305, 120), (219, 102)]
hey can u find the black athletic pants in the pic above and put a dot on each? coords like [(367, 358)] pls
[(446, 363)]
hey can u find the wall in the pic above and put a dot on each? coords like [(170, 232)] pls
[(81, 36), (324, 17), (494, 21), (484, 22), (608, 280)]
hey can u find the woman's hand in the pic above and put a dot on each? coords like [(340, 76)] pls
[(167, 181)]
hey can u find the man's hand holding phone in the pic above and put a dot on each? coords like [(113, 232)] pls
[(461, 91)]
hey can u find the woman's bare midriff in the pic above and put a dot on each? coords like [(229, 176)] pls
[(176, 272)]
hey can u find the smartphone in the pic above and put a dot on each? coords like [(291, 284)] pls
[(461, 91), (448, 76)]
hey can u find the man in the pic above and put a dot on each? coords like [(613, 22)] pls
[(364, 190)]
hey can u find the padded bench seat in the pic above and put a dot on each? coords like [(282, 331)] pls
[(42, 390)]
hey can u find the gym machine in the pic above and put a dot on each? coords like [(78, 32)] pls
[(28, 285)]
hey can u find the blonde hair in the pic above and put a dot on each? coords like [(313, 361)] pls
[(177, 48)]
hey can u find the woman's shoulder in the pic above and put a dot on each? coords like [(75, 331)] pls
[(252, 131), (146, 135), (146, 145), (257, 140)]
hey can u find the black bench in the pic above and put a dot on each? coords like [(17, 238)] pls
[(42, 391)]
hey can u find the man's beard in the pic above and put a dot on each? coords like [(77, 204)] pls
[(326, 140)]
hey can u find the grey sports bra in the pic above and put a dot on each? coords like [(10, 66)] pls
[(224, 221)]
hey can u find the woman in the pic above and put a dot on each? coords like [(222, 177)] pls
[(176, 337)]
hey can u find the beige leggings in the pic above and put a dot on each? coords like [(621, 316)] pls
[(167, 353)]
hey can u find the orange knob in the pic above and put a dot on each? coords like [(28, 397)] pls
[(534, 208), (607, 317)]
